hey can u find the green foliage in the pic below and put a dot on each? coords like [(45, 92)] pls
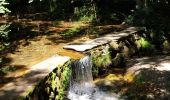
[(146, 46), (153, 14), (102, 59), (53, 83), (113, 11), (166, 45), (54, 86), (71, 32), (5, 70), (4, 36), (142, 17), (3, 9), (86, 18), (86, 12), (139, 79), (65, 78), (95, 71)]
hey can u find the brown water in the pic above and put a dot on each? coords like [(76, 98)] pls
[(32, 51)]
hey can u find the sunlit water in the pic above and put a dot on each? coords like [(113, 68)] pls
[(81, 83)]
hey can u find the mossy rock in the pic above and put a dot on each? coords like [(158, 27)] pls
[(102, 57), (53, 86), (114, 45), (129, 51), (119, 60)]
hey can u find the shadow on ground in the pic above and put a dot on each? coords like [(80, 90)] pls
[(151, 79), (20, 86), (146, 78)]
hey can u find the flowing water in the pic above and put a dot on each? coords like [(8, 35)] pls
[(81, 83)]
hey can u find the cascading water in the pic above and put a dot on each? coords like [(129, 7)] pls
[(81, 83)]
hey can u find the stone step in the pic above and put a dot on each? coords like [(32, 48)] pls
[(21, 86), (114, 36)]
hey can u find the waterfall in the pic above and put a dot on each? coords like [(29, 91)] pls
[(81, 83)]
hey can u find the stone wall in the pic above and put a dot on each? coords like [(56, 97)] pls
[(115, 53), (54, 86), (104, 58)]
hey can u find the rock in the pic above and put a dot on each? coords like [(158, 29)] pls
[(114, 45), (111, 37)]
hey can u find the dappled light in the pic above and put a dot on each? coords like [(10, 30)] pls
[(84, 49)]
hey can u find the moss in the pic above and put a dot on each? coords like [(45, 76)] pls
[(53, 86), (102, 58), (65, 78)]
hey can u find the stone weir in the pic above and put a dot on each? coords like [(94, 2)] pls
[(111, 48), (49, 79), (106, 39)]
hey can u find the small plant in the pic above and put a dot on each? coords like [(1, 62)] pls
[(71, 32), (102, 59), (95, 71), (146, 47), (86, 18)]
